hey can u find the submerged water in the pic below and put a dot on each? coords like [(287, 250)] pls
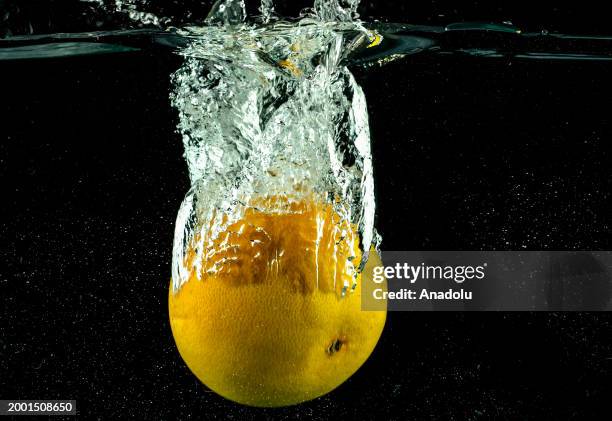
[(470, 150)]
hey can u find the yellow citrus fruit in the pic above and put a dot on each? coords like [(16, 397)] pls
[(267, 323)]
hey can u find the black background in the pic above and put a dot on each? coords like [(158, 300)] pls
[(46, 16), (469, 154)]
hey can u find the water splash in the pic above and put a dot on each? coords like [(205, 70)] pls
[(132, 9), (271, 118), (337, 10), (267, 10), (227, 12)]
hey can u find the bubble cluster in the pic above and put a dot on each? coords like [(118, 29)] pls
[(270, 118)]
